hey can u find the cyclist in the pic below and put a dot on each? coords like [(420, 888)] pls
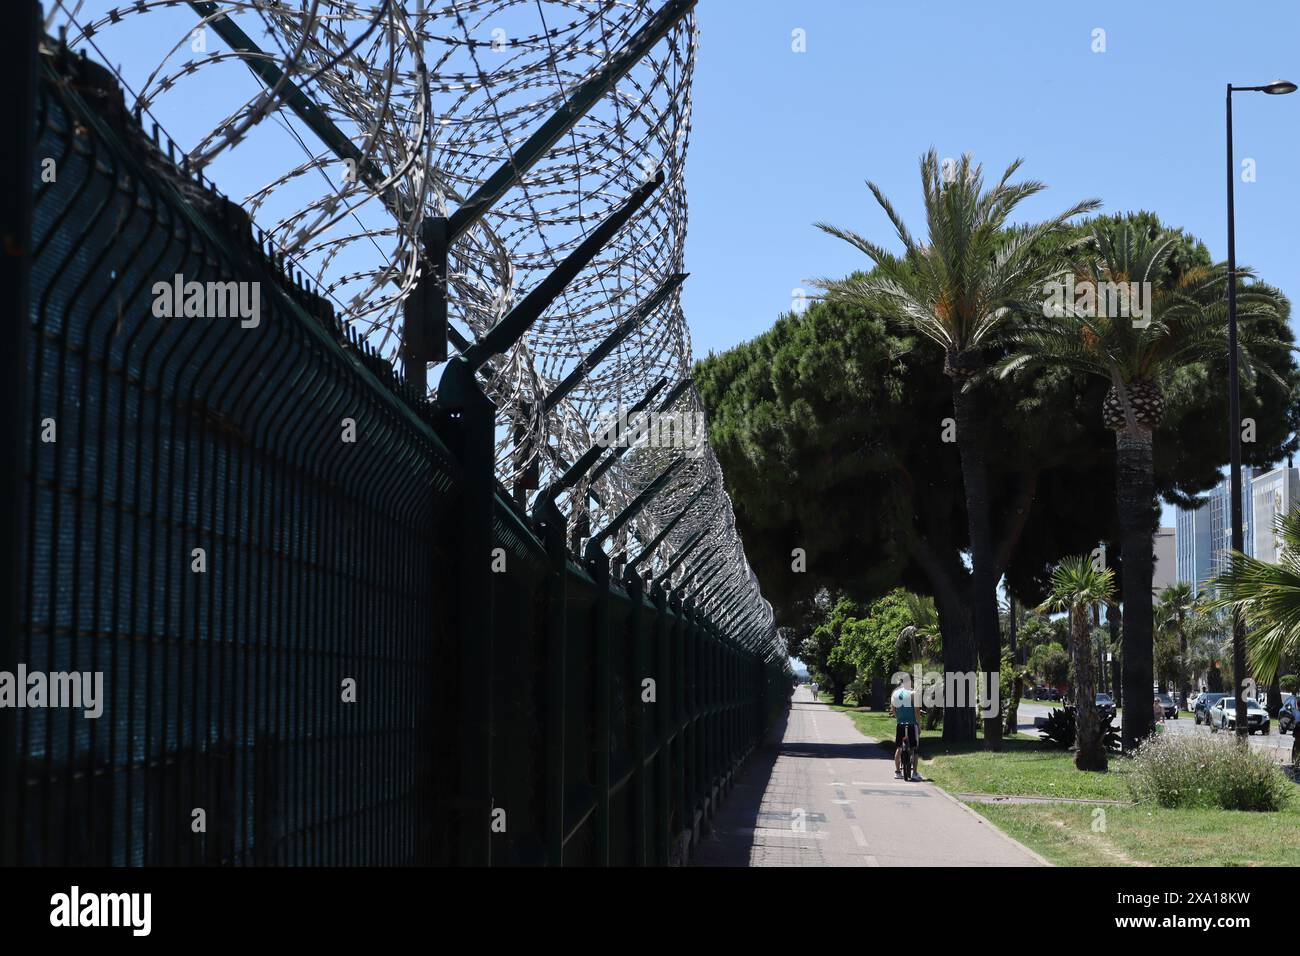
[(902, 706)]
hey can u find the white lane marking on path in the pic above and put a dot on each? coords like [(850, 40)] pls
[(793, 834), (844, 803), (857, 835)]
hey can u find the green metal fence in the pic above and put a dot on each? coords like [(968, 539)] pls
[(305, 656)]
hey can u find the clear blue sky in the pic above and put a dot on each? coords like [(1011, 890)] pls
[(783, 139)]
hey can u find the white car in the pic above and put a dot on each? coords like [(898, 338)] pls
[(1223, 716)]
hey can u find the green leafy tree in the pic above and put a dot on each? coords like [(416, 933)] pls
[(824, 651), (1038, 631), (954, 290), (1076, 586), (827, 427), (1184, 323), (1050, 664)]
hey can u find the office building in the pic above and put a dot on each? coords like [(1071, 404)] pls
[(1203, 536), (1165, 572), (1273, 493)]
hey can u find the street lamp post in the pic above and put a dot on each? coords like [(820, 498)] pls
[(1277, 87)]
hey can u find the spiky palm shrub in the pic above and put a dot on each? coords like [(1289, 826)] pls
[(1267, 595), (1076, 586), (955, 290), (1183, 321)]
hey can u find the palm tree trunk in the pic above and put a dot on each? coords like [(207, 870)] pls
[(1214, 679), (1135, 477), (1089, 753), (1184, 668), (958, 658), (1013, 711), (1115, 620), (984, 599), (1274, 695)]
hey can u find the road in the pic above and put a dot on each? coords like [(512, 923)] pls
[(819, 793), (1276, 745)]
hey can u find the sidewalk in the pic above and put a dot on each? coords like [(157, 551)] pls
[(854, 811)]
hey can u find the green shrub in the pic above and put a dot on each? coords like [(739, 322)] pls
[(1190, 770), (1288, 683)]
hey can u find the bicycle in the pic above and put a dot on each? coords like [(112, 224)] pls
[(907, 758)]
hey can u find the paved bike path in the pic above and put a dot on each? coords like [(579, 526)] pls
[(819, 793)]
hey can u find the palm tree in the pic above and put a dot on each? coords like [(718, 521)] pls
[(955, 290), (1184, 321), (924, 629), (1076, 585), (1268, 598), (922, 640), (1209, 641), (1177, 604)]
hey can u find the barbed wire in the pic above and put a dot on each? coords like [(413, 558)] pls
[(436, 98)]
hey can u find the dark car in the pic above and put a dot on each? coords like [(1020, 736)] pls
[(1203, 705), (1052, 694), (1106, 704), (1171, 708), (1288, 715)]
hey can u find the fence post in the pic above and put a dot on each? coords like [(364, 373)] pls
[(471, 418), (676, 643), (598, 567), (553, 530), (684, 732), (636, 707), (715, 717), (663, 729), (16, 109)]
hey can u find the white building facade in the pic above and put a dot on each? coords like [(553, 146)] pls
[(1272, 494)]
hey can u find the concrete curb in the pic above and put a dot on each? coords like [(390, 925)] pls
[(1012, 799)]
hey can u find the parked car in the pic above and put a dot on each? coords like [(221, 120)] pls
[(1288, 715), (1203, 704), (1106, 704), (1052, 694), (1171, 708), (1223, 715)]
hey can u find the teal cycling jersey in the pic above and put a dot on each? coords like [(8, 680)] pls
[(903, 706)]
